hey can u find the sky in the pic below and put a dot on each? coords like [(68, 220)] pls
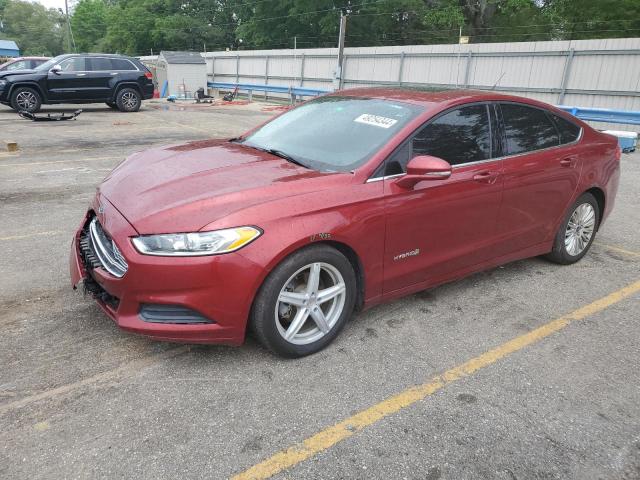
[(52, 3)]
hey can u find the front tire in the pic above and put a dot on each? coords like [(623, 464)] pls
[(304, 302), (577, 231), (128, 100), (112, 105), (25, 99)]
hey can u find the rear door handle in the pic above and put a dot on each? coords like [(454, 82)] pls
[(80, 74), (486, 177), (568, 162)]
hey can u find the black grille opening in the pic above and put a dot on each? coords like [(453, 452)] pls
[(99, 250), (91, 261), (156, 313), (94, 289)]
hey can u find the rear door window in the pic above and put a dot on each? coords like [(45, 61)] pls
[(527, 129), (99, 64), (569, 132)]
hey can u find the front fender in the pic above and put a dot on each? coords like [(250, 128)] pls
[(30, 84)]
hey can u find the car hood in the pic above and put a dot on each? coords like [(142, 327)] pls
[(184, 188), (6, 73)]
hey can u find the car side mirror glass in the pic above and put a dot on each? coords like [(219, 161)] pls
[(56, 69), (424, 167)]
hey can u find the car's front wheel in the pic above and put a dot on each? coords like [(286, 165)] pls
[(304, 302), (577, 232), (24, 99), (128, 100), (112, 105)]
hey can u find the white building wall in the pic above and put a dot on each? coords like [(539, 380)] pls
[(586, 73)]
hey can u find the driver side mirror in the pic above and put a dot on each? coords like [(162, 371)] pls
[(424, 167), (56, 69)]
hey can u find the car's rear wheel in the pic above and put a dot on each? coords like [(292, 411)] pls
[(304, 303), (25, 99), (577, 232), (112, 105), (128, 100)]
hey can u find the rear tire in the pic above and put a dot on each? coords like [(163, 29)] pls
[(128, 100), (25, 99), (577, 231), (304, 302), (112, 105)]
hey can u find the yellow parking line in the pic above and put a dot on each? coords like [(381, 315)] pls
[(330, 436), (86, 159), (29, 235), (618, 249)]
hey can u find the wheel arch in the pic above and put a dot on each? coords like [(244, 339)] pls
[(126, 84), (348, 251), (599, 195), (32, 85)]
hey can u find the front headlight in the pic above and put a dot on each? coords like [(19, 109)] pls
[(2, 83), (198, 243)]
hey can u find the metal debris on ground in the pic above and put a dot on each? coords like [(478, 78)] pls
[(51, 117)]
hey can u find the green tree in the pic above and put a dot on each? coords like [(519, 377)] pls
[(583, 19), (89, 24), (36, 30)]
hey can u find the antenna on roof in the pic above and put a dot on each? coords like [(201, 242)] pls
[(498, 81)]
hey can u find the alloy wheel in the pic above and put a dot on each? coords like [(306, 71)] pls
[(129, 100), (580, 229), (310, 303), (26, 100)]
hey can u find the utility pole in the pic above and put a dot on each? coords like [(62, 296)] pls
[(338, 80), (70, 40)]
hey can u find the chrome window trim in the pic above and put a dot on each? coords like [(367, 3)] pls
[(94, 71), (387, 177), (504, 157)]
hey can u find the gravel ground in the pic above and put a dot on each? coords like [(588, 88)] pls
[(81, 399)]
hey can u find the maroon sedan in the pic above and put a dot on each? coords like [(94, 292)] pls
[(22, 63), (344, 202)]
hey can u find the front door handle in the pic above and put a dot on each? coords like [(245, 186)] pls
[(568, 162), (486, 177), (80, 74)]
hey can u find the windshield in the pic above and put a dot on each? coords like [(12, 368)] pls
[(49, 63), (334, 133)]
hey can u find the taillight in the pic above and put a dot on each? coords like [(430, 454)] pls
[(618, 152), (149, 75)]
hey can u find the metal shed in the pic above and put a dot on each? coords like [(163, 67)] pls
[(8, 48), (182, 72)]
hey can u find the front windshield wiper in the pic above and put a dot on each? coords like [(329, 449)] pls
[(277, 153), (287, 157)]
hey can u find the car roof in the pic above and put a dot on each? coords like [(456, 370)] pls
[(108, 55), (431, 96), (29, 58)]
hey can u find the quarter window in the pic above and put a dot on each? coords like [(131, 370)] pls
[(122, 64), (569, 132), (527, 128)]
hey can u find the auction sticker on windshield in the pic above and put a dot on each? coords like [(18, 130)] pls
[(376, 120)]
